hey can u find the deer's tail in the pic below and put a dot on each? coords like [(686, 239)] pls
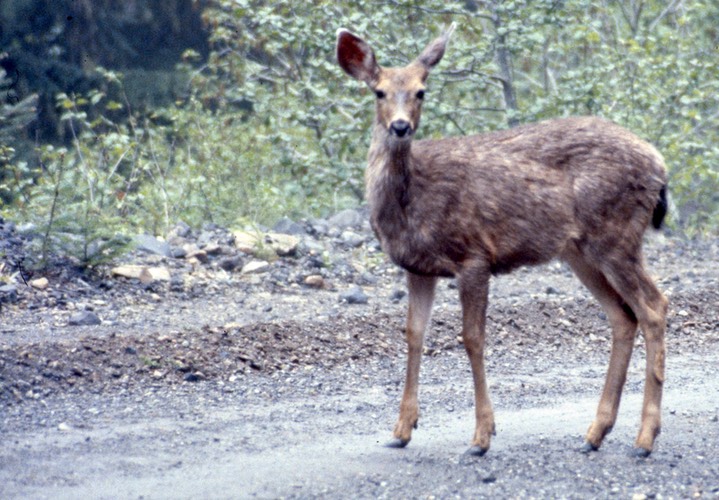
[(660, 209)]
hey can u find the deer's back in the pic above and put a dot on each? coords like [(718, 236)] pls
[(520, 196)]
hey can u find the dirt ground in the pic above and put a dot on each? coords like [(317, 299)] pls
[(252, 386)]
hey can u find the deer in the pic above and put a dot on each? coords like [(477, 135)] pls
[(581, 190)]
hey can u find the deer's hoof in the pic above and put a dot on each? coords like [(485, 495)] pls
[(588, 447), (476, 451), (397, 443), (640, 452)]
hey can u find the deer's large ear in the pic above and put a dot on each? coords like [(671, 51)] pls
[(433, 53), (356, 57)]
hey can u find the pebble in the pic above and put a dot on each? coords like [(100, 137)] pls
[(367, 278), (352, 239), (178, 252), (288, 226), (255, 267), (284, 245), (246, 242), (143, 273), (40, 283), (84, 318), (345, 218), (354, 295), (319, 227), (213, 248), (181, 230), (150, 244), (230, 263), (196, 253), (315, 281), (397, 295), (194, 377), (8, 294)]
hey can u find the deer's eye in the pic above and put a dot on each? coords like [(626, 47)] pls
[(380, 94), (420, 94)]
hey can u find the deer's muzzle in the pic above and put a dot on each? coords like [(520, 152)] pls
[(401, 128)]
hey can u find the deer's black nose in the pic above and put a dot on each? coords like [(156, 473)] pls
[(400, 128)]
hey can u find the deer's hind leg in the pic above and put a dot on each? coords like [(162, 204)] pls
[(624, 327), (638, 290), (421, 296)]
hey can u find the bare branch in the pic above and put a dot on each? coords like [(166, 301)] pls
[(672, 7)]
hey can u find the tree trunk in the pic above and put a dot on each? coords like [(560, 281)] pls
[(504, 60)]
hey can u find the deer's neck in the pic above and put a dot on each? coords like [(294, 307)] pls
[(387, 180)]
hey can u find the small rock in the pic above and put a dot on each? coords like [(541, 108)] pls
[(315, 281), (207, 234), (177, 284), (8, 294), (366, 278), (255, 267), (84, 318), (315, 261), (194, 377), (319, 227), (200, 255), (159, 273), (345, 218), (63, 427), (142, 273), (212, 248), (178, 252), (181, 229), (145, 276), (354, 295), (247, 242), (230, 263), (283, 244), (351, 239), (397, 295), (40, 283), (150, 244), (288, 226)]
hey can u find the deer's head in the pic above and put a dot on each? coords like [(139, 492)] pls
[(399, 91)]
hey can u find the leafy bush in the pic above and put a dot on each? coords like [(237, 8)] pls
[(72, 198)]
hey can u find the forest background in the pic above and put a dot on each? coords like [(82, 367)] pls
[(118, 118)]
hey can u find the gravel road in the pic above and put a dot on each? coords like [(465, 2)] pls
[(251, 389)]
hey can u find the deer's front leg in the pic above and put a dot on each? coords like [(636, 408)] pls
[(421, 296), (474, 288)]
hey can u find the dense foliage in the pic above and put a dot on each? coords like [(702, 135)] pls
[(269, 125)]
